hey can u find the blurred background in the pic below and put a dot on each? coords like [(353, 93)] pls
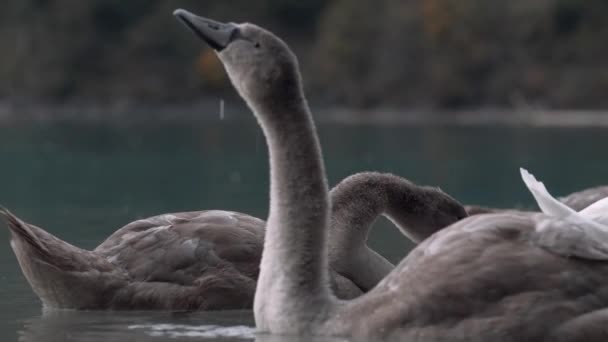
[(111, 111), (447, 54)]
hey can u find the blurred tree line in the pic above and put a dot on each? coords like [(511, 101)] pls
[(363, 53)]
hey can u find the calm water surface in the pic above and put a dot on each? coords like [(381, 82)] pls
[(83, 181)]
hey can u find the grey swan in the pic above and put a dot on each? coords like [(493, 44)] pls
[(209, 260), (492, 277), (578, 200)]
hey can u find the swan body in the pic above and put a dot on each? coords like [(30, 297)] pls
[(488, 277), (499, 277), (184, 261), (209, 260)]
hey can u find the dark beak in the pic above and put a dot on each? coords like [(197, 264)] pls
[(217, 35)]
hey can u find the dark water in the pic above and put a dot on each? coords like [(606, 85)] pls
[(81, 182)]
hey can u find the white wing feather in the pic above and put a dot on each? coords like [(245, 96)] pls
[(566, 232), (547, 203), (597, 212), (570, 239)]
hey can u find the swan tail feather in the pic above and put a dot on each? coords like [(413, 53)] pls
[(46, 247), (546, 202), (54, 268), (22, 231)]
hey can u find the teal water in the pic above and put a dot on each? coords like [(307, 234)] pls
[(83, 181)]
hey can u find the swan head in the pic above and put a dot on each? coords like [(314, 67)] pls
[(429, 210), (260, 65)]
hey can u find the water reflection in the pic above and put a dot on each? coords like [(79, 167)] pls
[(204, 331), (280, 338), (107, 326)]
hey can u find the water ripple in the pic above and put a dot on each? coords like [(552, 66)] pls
[(205, 331)]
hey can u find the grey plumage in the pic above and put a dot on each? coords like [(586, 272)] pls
[(209, 260), (492, 277), (358, 200)]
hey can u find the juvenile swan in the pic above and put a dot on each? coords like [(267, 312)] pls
[(485, 277), (209, 260)]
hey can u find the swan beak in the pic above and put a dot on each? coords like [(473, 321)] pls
[(217, 35)]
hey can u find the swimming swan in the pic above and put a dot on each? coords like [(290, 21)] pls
[(209, 260), (484, 277)]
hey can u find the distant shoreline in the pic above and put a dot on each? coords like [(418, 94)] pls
[(476, 117), (129, 113)]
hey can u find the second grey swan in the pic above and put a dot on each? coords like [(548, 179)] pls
[(482, 278), (209, 260)]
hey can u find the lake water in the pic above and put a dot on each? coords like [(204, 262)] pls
[(83, 181)]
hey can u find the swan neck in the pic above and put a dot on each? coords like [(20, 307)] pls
[(357, 202), (293, 272), (355, 206)]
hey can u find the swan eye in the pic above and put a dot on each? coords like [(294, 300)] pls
[(256, 45)]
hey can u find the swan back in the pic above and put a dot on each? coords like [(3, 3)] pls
[(484, 278)]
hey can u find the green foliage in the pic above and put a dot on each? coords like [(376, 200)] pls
[(442, 53)]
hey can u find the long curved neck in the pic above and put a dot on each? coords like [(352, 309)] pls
[(293, 272), (356, 203)]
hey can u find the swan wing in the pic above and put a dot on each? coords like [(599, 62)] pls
[(595, 216), (565, 237), (571, 237), (179, 247), (597, 211), (547, 203)]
